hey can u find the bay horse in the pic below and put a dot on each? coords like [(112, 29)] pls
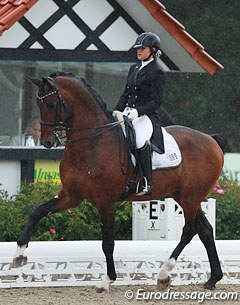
[(96, 166)]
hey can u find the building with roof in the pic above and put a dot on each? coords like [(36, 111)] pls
[(87, 37)]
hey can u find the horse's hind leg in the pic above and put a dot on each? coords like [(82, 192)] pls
[(197, 224), (107, 217), (205, 232), (189, 230)]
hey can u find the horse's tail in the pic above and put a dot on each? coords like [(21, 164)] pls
[(221, 141)]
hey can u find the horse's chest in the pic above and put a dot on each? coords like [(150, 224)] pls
[(80, 175)]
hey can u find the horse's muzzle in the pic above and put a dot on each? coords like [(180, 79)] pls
[(49, 142)]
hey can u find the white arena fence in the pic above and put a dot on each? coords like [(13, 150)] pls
[(157, 227), (82, 263)]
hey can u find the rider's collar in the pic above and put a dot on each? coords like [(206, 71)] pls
[(145, 63)]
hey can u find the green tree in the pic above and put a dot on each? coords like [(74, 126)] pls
[(209, 103)]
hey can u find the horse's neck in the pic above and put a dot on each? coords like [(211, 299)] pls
[(87, 116), (86, 110)]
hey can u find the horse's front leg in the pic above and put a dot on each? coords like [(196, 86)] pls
[(38, 213), (107, 217), (58, 203)]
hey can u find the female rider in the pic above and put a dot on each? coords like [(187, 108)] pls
[(141, 100)]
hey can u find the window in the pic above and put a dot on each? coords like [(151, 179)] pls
[(18, 98)]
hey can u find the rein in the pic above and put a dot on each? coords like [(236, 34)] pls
[(109, 125)]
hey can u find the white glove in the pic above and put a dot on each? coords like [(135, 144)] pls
[(118, 115), (132, 114), (114, 113)]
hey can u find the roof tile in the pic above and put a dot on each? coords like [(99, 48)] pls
[(189, 43), (4, 9), (205, 60), (12, 16), (11, 11), (153, 5), (167, 21)]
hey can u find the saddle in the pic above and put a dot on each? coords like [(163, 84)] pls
[(129, 132), (170, 158)]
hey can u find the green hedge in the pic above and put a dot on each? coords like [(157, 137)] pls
[(83, 223), (80, 224), (228, 210)]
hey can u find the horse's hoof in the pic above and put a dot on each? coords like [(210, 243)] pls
[(163, 283), (100, 290), (209, 286), (104, 285), (19, 261)]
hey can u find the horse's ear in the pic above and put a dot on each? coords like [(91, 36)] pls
[(34, 80), (48, 81)]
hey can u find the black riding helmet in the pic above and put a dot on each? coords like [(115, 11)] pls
[(149, 39)]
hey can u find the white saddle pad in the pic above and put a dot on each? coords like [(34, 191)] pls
[(172, 156)]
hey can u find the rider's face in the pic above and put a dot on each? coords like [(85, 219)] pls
[(143, 53)]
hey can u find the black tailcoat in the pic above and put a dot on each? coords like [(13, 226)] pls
[(144, 91)]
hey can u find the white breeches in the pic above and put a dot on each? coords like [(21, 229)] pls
[(143, 129)]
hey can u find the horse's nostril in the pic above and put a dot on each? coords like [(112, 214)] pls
[(48, 144)]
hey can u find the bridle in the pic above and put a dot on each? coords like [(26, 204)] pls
[(58, 124), (60, 127)]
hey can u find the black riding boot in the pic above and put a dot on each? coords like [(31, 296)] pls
[(145, 159)]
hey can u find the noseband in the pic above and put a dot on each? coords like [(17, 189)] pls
[(60, 126)]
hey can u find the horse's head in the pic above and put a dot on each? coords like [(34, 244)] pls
[(70, 107), (54, 111)]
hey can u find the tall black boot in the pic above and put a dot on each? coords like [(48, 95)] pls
[(145, 159)]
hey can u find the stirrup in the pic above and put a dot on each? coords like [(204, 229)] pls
[(146, 189)]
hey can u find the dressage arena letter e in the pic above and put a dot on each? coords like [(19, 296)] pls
[(154, 213)]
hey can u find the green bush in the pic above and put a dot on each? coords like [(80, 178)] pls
[(83, 223), (227, 210), (78, 224)]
